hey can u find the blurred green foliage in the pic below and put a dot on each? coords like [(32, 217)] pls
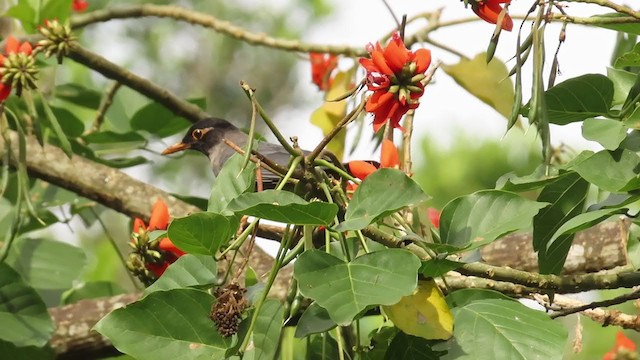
[(468, 165)]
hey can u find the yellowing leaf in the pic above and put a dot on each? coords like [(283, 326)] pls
[(487, 82), (424, 313), (331, 112)]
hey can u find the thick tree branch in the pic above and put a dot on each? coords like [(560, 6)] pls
[(147, 88)]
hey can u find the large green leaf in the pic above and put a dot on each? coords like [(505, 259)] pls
[(613, 171), (474, 220), (25, 13), (129, 139), (622, 82), (202, 233), (488, 82), (23, 315), (463, 297), (47, 264), (585, 221), (26, 352), (284, 206), (380, 194), (266, 333), (170, 324), (501, 329), (540, 177), (315, 319), (69, 122), (607, 132), (579, 98), (79, 95), (630, 58), (231, 182), (188, 271), (566, 198), (346, 288)]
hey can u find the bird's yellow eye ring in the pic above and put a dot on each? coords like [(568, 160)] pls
[(197, 134)]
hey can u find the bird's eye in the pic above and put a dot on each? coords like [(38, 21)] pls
[(197, 134)]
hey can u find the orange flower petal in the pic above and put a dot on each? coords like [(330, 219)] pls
[(434, 216), (159, 216), (158, 269), (381, 63), (422, 59), (138, 224), (25, 48), (167, 245), (361, 169), (489, 11), (11, 45), (389, 155), (623, 342), (378, 100), (396, 54)]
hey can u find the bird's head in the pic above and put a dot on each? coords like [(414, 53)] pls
[(202, 136)]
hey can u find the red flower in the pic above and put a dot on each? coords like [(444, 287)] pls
[(159, 220), (489, 11), (80, 5), (12, 46), (388, 159), (434, 216), (395, 75), (321, 67), (623, 346)]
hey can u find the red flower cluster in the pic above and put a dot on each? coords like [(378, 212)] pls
[(12, 46), (80, 5), (321, 67), (434, 217), (159, 220), (489, 11), (395, 75), (622, 349)]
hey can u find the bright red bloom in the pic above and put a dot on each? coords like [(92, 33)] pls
[(321, 67), (489, 11), (12, 46), (159, 220), (623, 346), (434, 216), (394, 74), (80, 5)]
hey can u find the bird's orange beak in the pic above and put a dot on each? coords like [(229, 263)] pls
[(175, 148)]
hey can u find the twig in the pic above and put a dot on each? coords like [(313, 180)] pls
[(258, 158), (104, 106), (603, 303)]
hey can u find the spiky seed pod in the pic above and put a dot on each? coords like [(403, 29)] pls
[(20, 71), (227, 311), (58, 39)]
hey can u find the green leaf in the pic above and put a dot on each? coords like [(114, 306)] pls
[(170, 324), (25, 13), (622, 83), (91, 290), (53, 123), (285, 207), (56, 9), (600, 20), (585, 221), (41, 264), (324, 347), (156, 119), (188, 271), (315, 319), (27, 352), (202, 233), (266, 333), (488, 82), (579, 98), (436, 267), (231, 182), (380, 194), (614, 171), (607, 132), (566, 198), (377, 278), (539, 178), (631, 58), (409, 347), (486, 326), (69, 123), (463, 297), (475, 220), (23, 315), (132, 138), (79, 95)]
